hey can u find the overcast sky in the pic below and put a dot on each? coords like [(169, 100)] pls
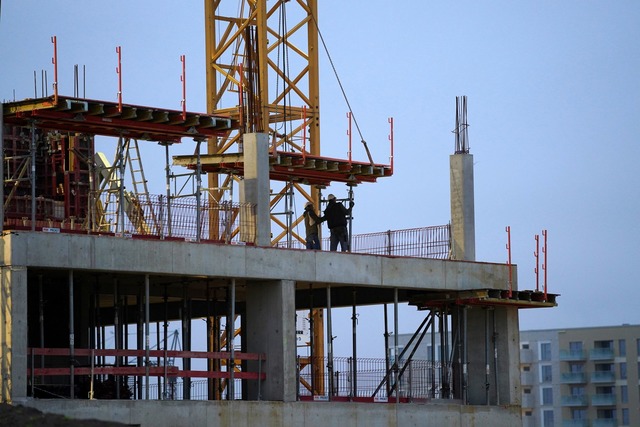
[(553, 106)]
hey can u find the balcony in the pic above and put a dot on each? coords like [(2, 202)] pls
[(608, 399), (573, 355), (526, 356), (574, 401), (573, 378), (575, 423), (604, 422), (603, 377), (528, 401), (526, 378), (601, 354)]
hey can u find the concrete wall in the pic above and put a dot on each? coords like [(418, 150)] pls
[(13, 332), (276, 414), (106, 253)]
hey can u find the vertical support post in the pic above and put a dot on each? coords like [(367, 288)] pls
[(168, 187), (232, 354), (494, 338), (508, 230), (119, 72), (165, 338), (386, 348), (198, 190), (54, 61), (329, 343), (433, 352), (465, 377), (487, 367), (71, 338), (391, 140), (116, 330), (183, 79), (41, 316), (396, 365), (544, 264), (354, 324), (146, 334), (33, 175), (2, 167), (536, 254)]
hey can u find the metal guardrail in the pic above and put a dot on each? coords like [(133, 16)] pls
[(156, 216), (104, 373), (420, 379)]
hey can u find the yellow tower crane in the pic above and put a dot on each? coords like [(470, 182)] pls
[(262, 70)]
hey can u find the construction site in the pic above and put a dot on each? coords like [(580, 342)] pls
[(104, 284)]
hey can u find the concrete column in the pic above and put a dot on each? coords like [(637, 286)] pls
[(496, 380), (271, 330), (256, 186), (13, 334), (463, 231)]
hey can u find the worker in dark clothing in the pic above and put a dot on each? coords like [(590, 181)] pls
[(312, 225), (336, 216)]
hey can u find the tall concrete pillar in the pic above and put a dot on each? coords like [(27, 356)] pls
[(255, 187), (493, 356), (463, 233), (13, 333), (271, 330)]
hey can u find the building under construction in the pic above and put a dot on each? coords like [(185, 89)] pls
[(101, 281)]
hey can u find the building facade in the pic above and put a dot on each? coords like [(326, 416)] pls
[(581, 377)]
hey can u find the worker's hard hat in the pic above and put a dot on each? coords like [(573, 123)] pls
[(308, 204), (331, 197)]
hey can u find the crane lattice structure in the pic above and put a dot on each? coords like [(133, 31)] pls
[(263, 72)]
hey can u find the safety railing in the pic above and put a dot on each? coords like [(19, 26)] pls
[(371, 379), (151, 216), (106, 374), (426, 242)]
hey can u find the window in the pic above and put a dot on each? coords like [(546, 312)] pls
[(545, 374), (526, 368), (625, 417), (578, 414), (624, 394), (528, 413), (547, 418), (525, 345), (576, 368), (623, 370), (527, 390), (605, 345), (638, 346), (547, 396), (577, 391), (622, 348), (575, 347), (545, 351)]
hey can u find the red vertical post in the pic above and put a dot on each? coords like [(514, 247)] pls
[(119, 73), (183, 79), (508, 230), (391, 140), (537, 255), (349, 135), (544, 263), (54, 61)]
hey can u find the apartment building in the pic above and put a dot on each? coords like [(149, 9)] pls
[(581, 377)]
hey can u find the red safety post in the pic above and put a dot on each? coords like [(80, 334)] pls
[(508, 230), (54, 61), (544, 263), (390, 119), (183, 79), (536, 254), (349, 135), (119, 73)]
